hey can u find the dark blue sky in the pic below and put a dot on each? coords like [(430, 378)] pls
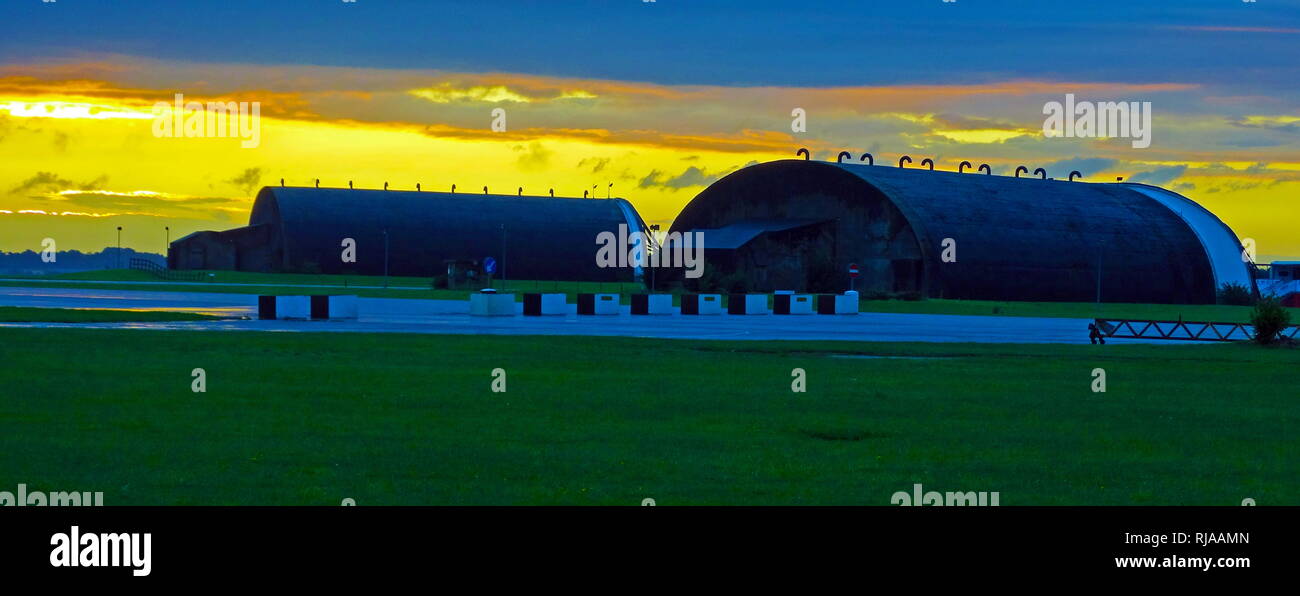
[(694, 42)]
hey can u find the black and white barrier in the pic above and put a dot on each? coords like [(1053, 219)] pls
[(790, 303), (838, 304), (652, 304), (747, 304), (320, 307), (597, 304), (488, 303), (701, 304), (537, 305)]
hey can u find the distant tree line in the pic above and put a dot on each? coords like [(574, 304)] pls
[(29, 261)]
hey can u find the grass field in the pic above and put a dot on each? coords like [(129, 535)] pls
[(24, 314), (418, 287), (299, 418)]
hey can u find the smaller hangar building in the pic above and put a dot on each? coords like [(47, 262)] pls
[(302, 230)]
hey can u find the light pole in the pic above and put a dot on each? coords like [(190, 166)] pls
[(167, 246), (117, 258)]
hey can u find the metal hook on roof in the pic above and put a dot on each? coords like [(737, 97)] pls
[(1041, 173), (318, 183), (867, 157), (905, 158), (1075, 173), (804, 152), (1019, 168), (521, 191), (961, 167), (843, 154), (484, 190), (385, 185), (928, 161), (417, 187), (349, 185), (552, 193), (986, 169)]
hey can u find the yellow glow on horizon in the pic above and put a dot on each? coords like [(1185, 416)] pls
[(71, 110), (489, 93), (981, 135)]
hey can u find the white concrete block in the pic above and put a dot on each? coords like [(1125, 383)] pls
[(802, 304), (293, 307), (846, 304), (492, 305), (710, 304), (555, 304), (659, 304), (343, 307), (606, 304)]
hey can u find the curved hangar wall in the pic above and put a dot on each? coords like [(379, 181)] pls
[(302, 230), (796, 224)]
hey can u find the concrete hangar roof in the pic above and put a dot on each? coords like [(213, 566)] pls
[(1014, 238), (531, 237)]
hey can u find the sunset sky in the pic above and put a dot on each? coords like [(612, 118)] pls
[(657, 98)]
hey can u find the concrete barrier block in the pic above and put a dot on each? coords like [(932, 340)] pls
[(606, 304), (537, 305), (343, 308), (796, 304), (555, 304), (492, 305), (846, 304), (660, 304), (710, 304), (747, 304), (652, 304), (701, 304), (837, 304), (266, 308), (293, 307)]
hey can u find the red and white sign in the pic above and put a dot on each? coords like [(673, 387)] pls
[(853, 269)]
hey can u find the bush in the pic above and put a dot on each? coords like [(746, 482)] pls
[(1269, 317), (820, 275), (909, 296), (735, 283), (706, 282), (1235, 294)]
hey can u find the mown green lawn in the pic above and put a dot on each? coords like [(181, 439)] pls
[(314, 418)]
